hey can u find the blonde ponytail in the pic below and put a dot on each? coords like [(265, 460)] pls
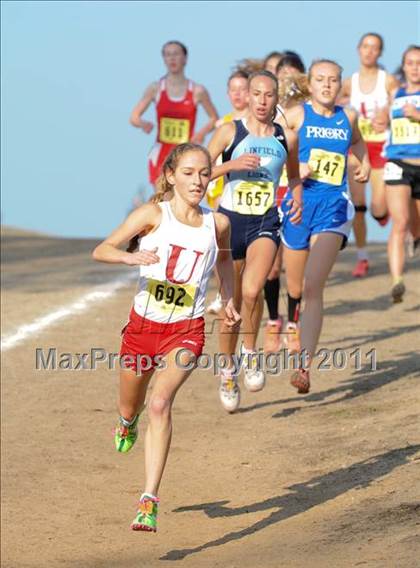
[(164, 190)]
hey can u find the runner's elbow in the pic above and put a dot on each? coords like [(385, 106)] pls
[(97, 253)]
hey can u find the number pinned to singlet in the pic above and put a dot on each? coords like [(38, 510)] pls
[(327, 167), (367, 131), (405, 131), (253, 198), (174, 130), (165, 297)]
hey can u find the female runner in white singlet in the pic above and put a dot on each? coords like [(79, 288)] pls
[(368, 92), (179, 246)]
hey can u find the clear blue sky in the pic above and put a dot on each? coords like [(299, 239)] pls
[(72, 71)]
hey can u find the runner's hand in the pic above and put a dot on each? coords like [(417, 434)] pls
[(295, 211), (232, 317), (197, 138), (141, 258), (146, 126), (410, 111), (380, 120), (245, 162), (362, 173)]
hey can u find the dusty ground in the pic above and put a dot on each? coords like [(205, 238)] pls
[(326, 480)]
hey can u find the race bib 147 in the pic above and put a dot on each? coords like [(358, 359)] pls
[(327, 167)]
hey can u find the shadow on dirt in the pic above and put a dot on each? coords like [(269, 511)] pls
[(300, 498), (362, 382)]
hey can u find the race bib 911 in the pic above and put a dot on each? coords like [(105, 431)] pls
[(367, 131), (174, 130)]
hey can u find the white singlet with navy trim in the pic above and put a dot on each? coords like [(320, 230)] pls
[(174, 289)]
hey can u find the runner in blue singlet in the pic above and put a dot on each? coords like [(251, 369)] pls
[(402, 170), (326, 133)]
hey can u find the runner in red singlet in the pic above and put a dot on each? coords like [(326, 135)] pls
[(176, 99)]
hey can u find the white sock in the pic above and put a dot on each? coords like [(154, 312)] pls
[(147, 495), (248, 351), (227, 374), (127, 423), (362, 254)]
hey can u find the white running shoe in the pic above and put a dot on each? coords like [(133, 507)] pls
[(254, 378), (215, 306), (229, 393)]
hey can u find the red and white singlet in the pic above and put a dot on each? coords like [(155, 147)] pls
[(174, 289), (175, 125), (366, 104)]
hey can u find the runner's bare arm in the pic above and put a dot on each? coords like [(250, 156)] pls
[(392, 84), (142, 220), (281, 118), (380, 120), (141, 107), (224, 268), (294, 117), (345, 93), (410, 111), (202, 97), (293, 175), (358, 147), (222, 139)]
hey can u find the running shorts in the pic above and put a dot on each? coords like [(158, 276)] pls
[(245, 229), (320, 214), (145, 342), (398, 172), (377, 161)]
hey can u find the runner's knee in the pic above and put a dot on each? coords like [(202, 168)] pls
[(250, 294), (313, 289), (159, 406), (401, 224)]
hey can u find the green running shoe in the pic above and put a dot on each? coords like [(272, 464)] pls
[(126, 436), (146, 518)]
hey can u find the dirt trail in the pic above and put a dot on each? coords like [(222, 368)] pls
[(326, 480)]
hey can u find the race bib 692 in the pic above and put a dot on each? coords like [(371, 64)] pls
[(165, 297)]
